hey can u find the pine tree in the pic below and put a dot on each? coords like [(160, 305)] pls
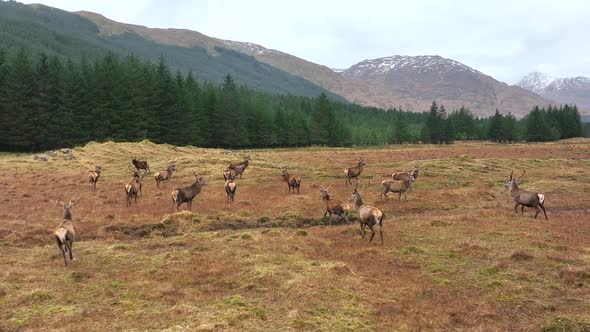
[(510, 129), (497, 133), (537, 129), (322, 122)]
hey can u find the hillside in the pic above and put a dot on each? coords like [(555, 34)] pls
[(570, 90), (55, 31)]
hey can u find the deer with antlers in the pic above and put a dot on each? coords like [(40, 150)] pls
[(230, 185), (334, 206), (405, 176), (524, 197), (241, 167), (93, 176), (141, 164), (64, 233), (354, 172), (133, 188), (368, 214), (166, 175), (394, 186), (293, 181), (187, 194)]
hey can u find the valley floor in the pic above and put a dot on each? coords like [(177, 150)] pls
[(455, 257)]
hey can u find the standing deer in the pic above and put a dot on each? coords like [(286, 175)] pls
[(293, 181), (404, 176), (166, 175), (354, 172), (230, 186), (133, 188), (64, 233), (334, 206), (241, 167), (141, 164), (187, 194), (94, 175), (525, 197), (400, 187), (368, 214)]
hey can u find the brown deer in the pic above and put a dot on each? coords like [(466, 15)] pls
[(187, 194), (334, 206), (230, 186), (64, 233), (93, 176), (166, 175), (141, 164), (293, 181), (241, 167), (354, 172), (368, 215), (229, 173), (404, 176), (525, 197), (400, 187), (133, 188)]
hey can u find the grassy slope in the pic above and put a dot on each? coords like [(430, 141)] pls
[(455, 256)]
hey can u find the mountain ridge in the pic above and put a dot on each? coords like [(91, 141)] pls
[(568, 90)]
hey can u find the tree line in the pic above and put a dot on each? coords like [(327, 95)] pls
[(50, 101)]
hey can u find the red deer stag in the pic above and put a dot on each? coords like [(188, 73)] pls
[(166, 175), (334, 206), (187, 194), (141, 164), (133, 188), (293, 181), (368, 215), (524, 197), (354, 172), (93, 176), (400, 187), (241, 167), (64, 233), (230, 185)]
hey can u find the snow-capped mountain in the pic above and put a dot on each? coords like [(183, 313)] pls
[(571, 90), (419, 64), (417, 80)]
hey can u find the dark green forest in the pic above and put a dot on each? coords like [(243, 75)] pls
[(47, 102)]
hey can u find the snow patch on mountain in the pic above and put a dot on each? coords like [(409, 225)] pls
[(419, 64)]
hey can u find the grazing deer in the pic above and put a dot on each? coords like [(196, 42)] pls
[(525, 197), (400, 187), (133, 188), (94, 175), (64, 233), (187, 194), (141, 164), (241, 167), (293, 181), (354, 172), (334, 206), (230, 186), (368, 215), (166, 175)]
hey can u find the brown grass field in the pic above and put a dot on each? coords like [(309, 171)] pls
[(456, 257)]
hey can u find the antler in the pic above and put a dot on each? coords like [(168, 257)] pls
[(59, 203), (522, 174), (75, 201), (132, 170), (511, 175)]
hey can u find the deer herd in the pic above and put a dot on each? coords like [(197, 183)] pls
[(367, 215)]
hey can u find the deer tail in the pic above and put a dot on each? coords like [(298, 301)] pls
[(541, 199)]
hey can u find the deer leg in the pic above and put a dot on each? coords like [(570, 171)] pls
[(381, 232), (363, 230), (522, 209), (515, 208), (372, 233), (538, 210), (544, 212), (70, 250)]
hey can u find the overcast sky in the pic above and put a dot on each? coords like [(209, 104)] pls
[(504, 39)]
